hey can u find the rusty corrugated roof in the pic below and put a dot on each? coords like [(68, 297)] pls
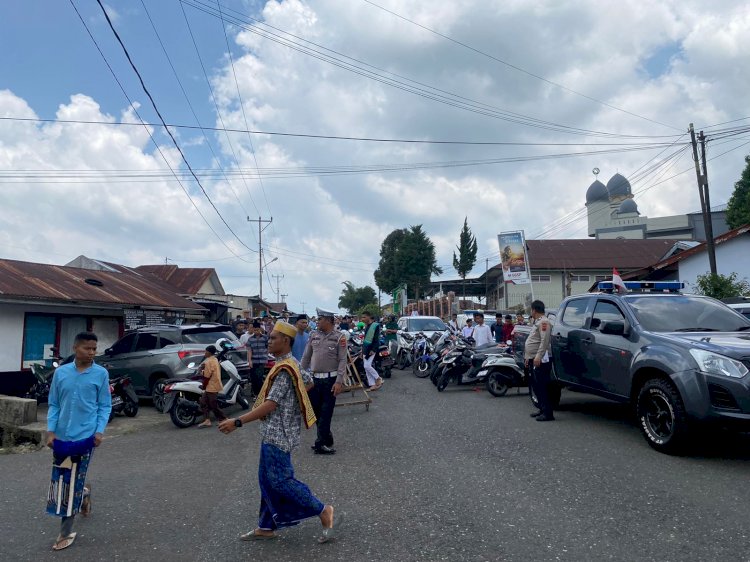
[(26, 280), (187, 280), (596, 254)]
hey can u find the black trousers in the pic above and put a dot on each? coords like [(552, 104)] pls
[(323, 402), (257, 376), (541, 379)]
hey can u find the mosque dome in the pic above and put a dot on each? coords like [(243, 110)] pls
[(618, 186), (627, 206), (596, 192)]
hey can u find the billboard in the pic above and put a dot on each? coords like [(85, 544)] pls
[(513, 257)]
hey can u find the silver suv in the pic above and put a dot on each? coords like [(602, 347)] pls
[(151, 355)]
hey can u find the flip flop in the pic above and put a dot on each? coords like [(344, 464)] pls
[(64, 543), (329, 535), (252, 536)]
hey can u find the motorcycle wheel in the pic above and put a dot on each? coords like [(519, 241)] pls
[(242, 401), (423, 369), (401, 361), (435, 373), (443, 381), (181, 416), (131, 409), (497, 384), (387, 373)]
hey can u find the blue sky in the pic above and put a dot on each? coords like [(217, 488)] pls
[(674, 62)]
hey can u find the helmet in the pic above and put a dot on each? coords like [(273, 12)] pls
[(224, 344)]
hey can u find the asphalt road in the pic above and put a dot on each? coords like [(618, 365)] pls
[(423, 475)]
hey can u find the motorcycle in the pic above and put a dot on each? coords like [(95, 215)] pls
[(464, 365), (404, 353), (503, 373), (443, 347), (124, 398), (181, 397), (39, 391), (424, 354)]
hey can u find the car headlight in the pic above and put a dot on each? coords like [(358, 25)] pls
[(716, 364)]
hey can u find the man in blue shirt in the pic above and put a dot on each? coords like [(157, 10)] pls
[(79, 408), (302, 337)]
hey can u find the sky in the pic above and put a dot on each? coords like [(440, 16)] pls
[(609, 85)]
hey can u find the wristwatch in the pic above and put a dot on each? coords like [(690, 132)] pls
[(238, 422)]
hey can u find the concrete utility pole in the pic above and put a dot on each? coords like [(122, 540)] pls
[(303, 306), (278, 291), (260, 222), (702, 177), (283, 297)]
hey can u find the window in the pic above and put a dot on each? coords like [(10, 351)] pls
[(166, 339), (206, 336), (123, 345), (605, 312), (580, 278), (574, 314), (146, 342), (541, 278), (426, 325), (601, 278)]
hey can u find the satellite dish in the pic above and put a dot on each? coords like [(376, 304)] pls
[(595, 171)]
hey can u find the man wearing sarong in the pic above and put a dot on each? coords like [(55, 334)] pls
[(282, 406), (79, 408)]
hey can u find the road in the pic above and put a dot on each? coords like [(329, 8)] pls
[(423, 475)]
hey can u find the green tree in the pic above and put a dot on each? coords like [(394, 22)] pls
[(373, 309), (721, 286), (467, 253), (407, 256), (738, 208), (354, 299)]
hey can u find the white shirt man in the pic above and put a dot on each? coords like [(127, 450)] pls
[(468, 330), (482, 333)]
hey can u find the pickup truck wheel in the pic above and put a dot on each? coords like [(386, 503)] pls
[(497, 384), (555, 393), (661, 416)]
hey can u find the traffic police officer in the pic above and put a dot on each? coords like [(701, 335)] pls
[(326, 356), (538, 360)]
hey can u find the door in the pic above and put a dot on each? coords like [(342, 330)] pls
[(70, 327), (569, 341), (141, 361), (609, 356), (38, 338), (116, 360)]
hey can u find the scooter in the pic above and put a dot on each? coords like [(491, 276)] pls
[(503, 373), (404, 354), (39, 391), (124, 398), (464, 365), (181, 398), (444, 346)]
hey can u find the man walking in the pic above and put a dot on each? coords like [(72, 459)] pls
[(537, 356), (370, 347), (326, 357), (79, 408), (468, 330), (257, 347), (282, 406), (391, 335), (302, 337), (482, 333), (212, 386)]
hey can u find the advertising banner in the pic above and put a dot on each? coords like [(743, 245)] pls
[(513, 257)]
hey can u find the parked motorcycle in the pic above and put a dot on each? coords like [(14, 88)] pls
[(404, 350), (464, 365), (124, 398), (181, 398), (444, 346), (39, 391), (503, 373), (424, 354)]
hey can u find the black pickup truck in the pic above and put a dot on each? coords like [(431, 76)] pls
[(681, 360)]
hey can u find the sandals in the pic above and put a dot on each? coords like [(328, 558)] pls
[(329, 535), (64, 542), (253, 536), (86, 503)]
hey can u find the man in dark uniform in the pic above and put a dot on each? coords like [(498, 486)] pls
[(537, 354), (326, 356)]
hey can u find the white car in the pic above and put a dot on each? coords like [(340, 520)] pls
[(428, 325)]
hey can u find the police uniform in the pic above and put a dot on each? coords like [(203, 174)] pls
[(538, 347), (326, 356)]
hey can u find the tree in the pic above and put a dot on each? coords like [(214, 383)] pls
[(467, 253), (354, 299), (738, 208), (721, 286), (407, 256)]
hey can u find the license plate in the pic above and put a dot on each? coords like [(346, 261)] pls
[(116, 400)]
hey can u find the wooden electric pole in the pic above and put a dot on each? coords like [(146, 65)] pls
[(702, 177)]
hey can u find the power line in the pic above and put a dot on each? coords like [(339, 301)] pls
[(133, 107), (335, 137), (518, 68)]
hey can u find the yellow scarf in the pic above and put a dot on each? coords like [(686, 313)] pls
[(290, 366)]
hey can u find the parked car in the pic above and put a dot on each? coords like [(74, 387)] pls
[(740, 304), (681, 360), (151, 355), (427, 325)]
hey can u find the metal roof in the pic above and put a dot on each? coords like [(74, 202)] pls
[(596, 254), (187, 280), (21, 280)]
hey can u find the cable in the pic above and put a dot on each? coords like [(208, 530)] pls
[(518, 68), (158, 148)]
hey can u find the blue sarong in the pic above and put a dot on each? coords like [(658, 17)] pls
[(70, 464), (284, 501)]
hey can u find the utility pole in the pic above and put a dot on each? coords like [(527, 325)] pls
[(702, 177), (303, 306), (278, 291), (486, 283), (261, 228), (283, 297)]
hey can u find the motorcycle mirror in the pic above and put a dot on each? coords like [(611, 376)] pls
[(55, 364), (509, 342), (191, 365)]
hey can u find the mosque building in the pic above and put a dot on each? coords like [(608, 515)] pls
[(613, 213)]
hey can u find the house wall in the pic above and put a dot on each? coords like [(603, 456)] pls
[(553, 292), (731, 257)]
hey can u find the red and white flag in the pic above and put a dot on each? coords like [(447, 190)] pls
[(617, 283)]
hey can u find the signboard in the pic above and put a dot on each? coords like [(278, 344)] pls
[(513, 257), (140, 318)]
